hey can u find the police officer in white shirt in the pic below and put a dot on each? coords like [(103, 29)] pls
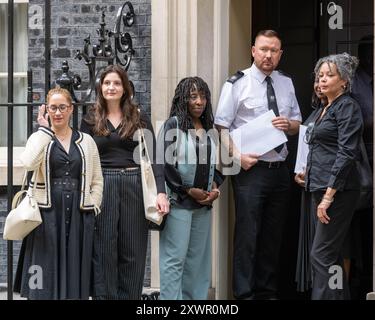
[(261, 188)]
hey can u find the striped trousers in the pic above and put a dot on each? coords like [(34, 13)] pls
[(121, 235)]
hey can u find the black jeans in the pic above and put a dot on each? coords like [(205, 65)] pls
[(261, 197)]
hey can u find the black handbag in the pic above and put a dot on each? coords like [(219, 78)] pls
[(365, 175)]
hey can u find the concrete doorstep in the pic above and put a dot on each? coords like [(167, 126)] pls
[(147, 294), (4, 293)]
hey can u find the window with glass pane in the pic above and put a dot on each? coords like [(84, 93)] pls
[(20, 40)]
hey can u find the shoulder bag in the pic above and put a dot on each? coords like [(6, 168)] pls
[(25, 215), (149, 189)]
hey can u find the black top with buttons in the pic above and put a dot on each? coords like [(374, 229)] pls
[(64, 165), (334, 147)]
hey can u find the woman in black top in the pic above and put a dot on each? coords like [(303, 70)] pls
[(331, 173), (122, 230)]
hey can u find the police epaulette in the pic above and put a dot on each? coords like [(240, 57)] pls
[(284, 74), (235, 77)]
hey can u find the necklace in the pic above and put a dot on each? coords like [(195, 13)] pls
[(62, 137)]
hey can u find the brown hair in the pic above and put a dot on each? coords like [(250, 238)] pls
[(268, 33), (97, 116), (59, 90)]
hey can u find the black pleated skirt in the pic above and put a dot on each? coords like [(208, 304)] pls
[(56, 258), (307, 224)]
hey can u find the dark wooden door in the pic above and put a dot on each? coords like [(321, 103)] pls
[(357, 22), (296, 21), (305, 30), (309, 30)]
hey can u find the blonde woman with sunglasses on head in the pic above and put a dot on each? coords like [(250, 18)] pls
[(69, 194)]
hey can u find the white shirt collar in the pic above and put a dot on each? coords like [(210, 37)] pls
[(259, 75)]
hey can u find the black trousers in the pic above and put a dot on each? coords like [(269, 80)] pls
[(121, 235), (329, 280), (261, 196)]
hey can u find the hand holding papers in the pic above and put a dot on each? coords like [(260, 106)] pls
[(302, 152), (258, 136)]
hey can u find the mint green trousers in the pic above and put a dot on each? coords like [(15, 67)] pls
[(185, 255)]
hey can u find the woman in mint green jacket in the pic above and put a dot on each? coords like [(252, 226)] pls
[(190, 144)]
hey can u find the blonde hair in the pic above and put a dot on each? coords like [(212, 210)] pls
[(62, 91)]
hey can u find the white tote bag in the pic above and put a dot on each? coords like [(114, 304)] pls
[(24, 216), (148, 182)]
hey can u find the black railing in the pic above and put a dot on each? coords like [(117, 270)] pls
[(114, 47), (10, 140)]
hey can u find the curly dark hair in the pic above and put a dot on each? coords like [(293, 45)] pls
[(346, 66), (131, 118), (180, 103)]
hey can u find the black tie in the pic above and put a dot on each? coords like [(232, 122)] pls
[(272, 105)]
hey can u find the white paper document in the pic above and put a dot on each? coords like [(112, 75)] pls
[(302, 152), (258, 136)]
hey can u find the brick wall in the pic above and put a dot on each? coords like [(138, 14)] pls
[(71, 22)]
